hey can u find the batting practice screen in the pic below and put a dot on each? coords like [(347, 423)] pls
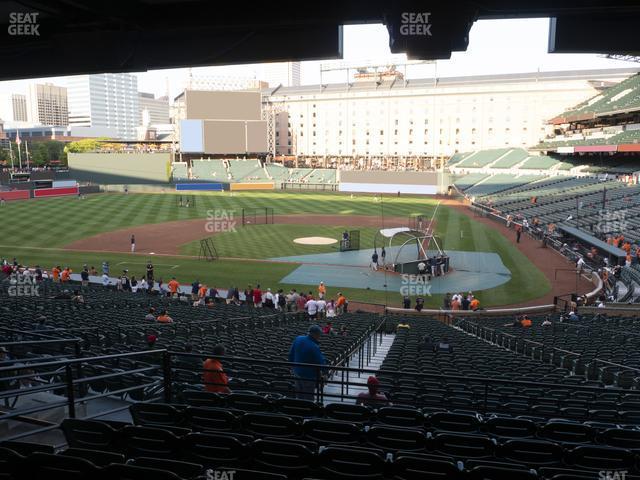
[(257, 216)]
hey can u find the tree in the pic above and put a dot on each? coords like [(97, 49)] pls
[(42, 153), (85, 145)]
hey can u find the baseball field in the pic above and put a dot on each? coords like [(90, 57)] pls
[(73, 231)]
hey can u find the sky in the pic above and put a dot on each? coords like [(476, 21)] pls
[(495, 46)]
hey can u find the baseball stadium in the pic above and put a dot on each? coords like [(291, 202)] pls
[(447, 288)]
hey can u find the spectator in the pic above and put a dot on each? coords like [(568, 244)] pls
[(84, 275), (331, 309), (406, 302), (341, 304), (322, 307), (214, 378), (269, 300), (419, 304), (150, 316), (547, 322), (465, 302), (248, 295), (322, 290), (328, 329), (526, 322), (475, 304), (404, 325), (195, 288), (306, 349), (281, 301), (426, 344), (446, 302), (173, 287), (343, 331), (164, 317), (312, 308), (257, 296), (372, 397), (444, 346)]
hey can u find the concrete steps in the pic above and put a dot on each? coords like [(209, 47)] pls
[(358, 384)]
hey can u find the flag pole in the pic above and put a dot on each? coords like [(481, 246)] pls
[(11, 154), (26, 152), (18, 144)]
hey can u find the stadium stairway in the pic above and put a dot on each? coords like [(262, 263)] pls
[(360, 382)]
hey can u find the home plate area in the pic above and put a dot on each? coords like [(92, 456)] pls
[(470, 271)]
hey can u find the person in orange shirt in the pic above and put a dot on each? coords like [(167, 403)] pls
[(164, 317), (213, 377), (65, 276), (202, 291), (55, 271), (475, 304), (173, 286), (322, 290), (526, 322), (341, 303)]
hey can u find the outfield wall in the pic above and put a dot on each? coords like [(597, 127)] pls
[(207, 187), (252, 186), (419, 183), (120, 168)]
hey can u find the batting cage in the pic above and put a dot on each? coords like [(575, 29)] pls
[(418, 222), (350, 241), (186, 201), (257, 216)]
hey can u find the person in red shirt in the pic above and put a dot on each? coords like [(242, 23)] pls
[(257, 296), (214, 378), (373, 397)]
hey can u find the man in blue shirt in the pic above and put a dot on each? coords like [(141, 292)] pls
[(306, 349)]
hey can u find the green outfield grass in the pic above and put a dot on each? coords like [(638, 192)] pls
[(268, 241), (34, 231)]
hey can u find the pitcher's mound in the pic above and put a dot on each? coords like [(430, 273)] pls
[(315, 240)]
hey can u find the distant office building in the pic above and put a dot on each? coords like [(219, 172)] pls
[(107, 100), (286, 74), (430, 117), (157, 108), (13, 108), (63, 134), (47, 105)]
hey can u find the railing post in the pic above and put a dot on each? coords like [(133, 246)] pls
[(166, 374), (71, 394), (82, 387), (486, 396)]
